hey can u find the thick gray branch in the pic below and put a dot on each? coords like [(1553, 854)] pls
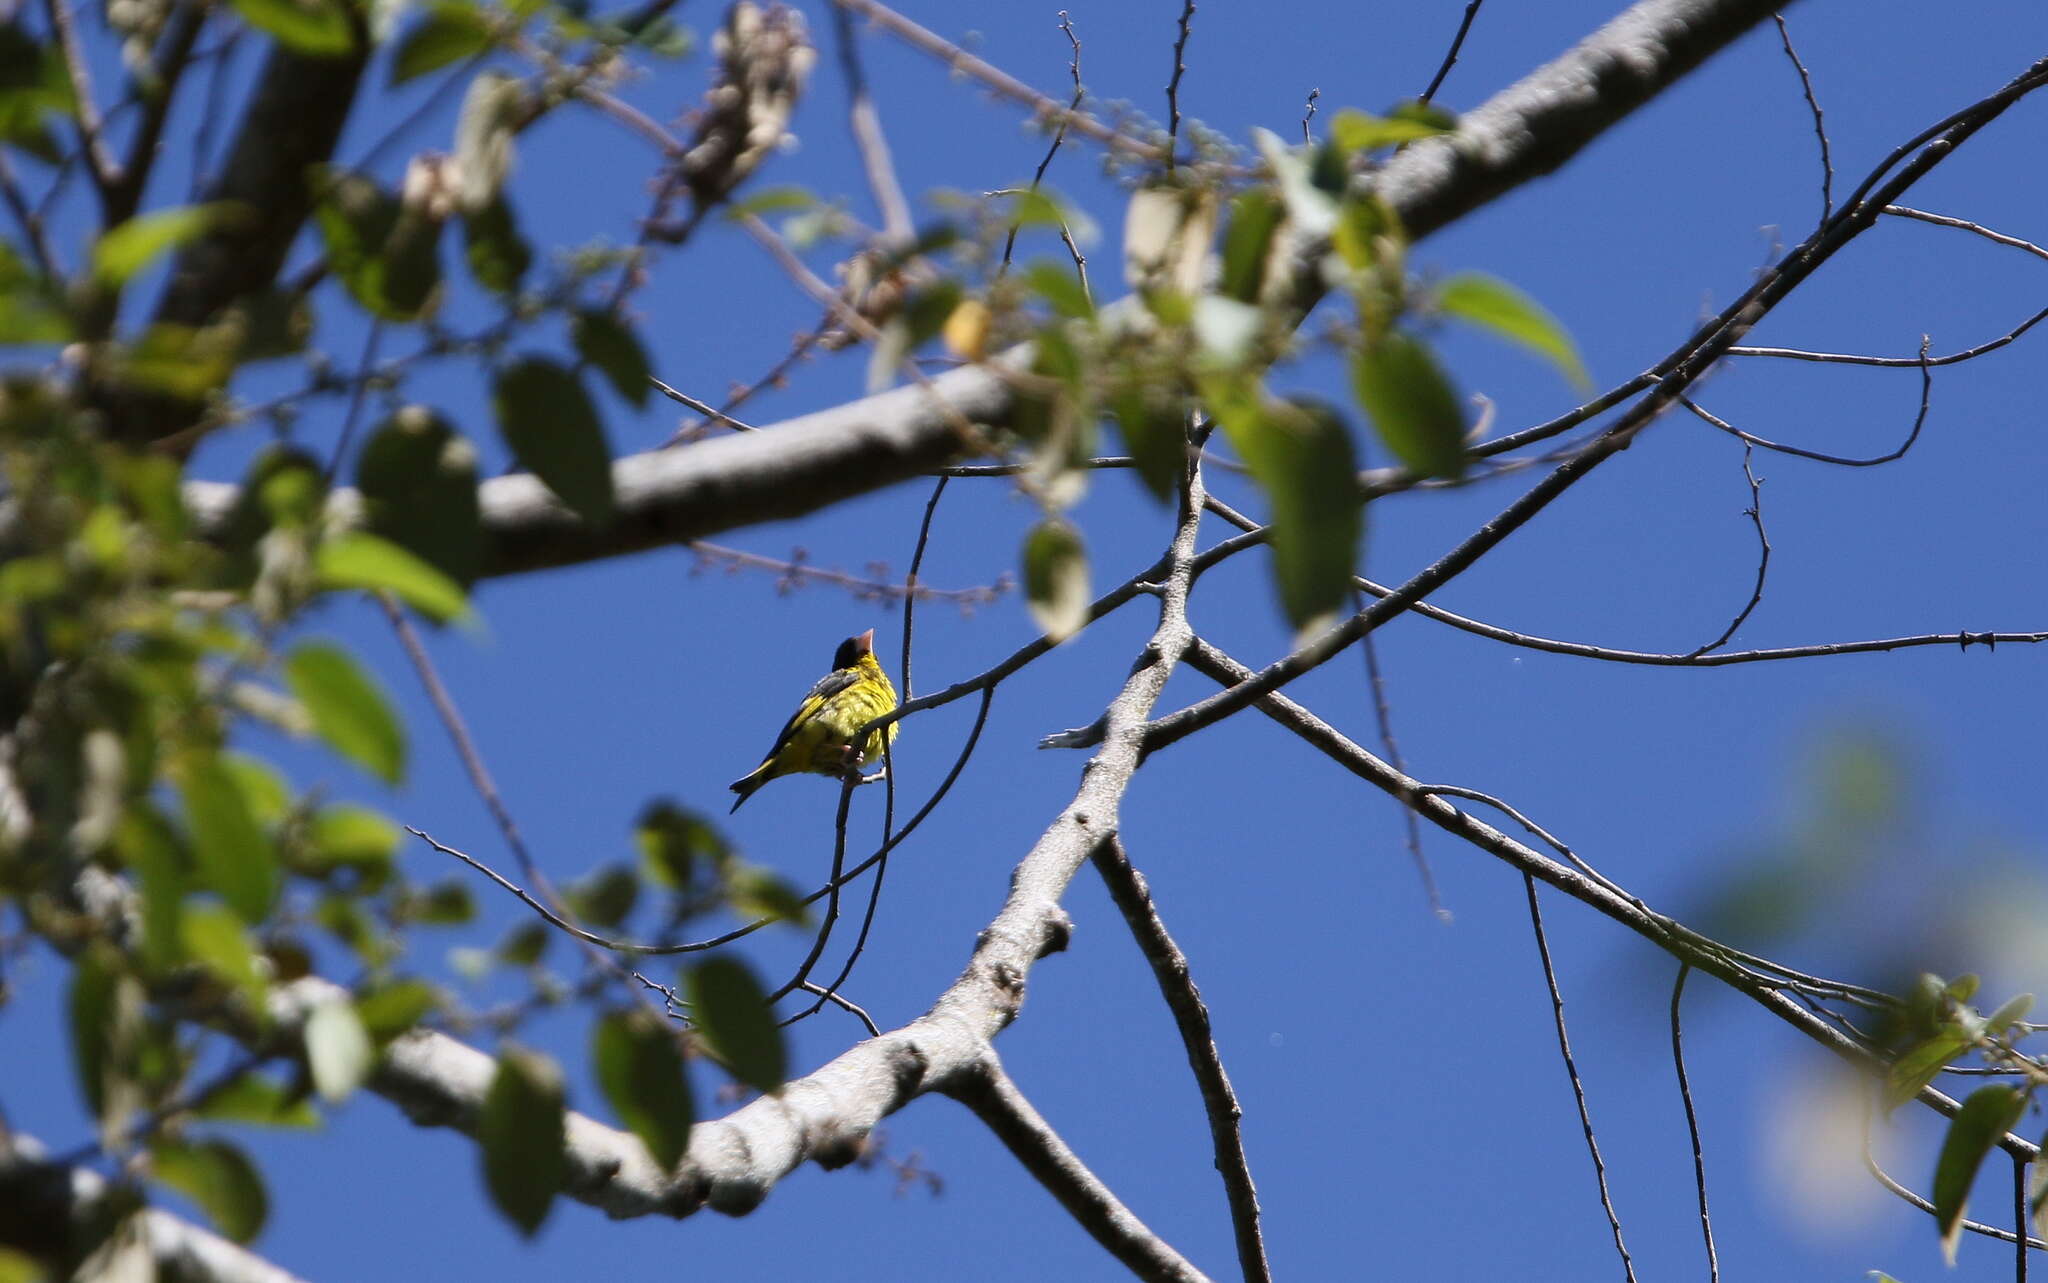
[(1525, 131), (50, 1211)]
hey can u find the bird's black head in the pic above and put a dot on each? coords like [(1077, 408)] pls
[(853, 648)]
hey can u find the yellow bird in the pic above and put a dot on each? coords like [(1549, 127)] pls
[(818, 736)]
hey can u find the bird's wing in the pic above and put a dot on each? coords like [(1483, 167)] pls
[(827, 686)]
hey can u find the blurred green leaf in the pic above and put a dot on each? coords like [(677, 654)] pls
[(524, 944), (1153, 424), (731, 1012), (1413, 406), (233, 855), (606, 342), (1056, 578), (1987, 1114), (755, 892), (1226, 331), (1311, 208), (522, 1131), (361, 560), (674, 842), (546, 417), (149, 846), (94, 1011), (218, 1177), (773, 200), (217, 940), (1918, 1066), (351, 837), (257, 1100), (498, 256), (1493, 304), (129, 247), (605, 896), (385, 255), (640, 1066), (338, 1049), (318, 28), (349, 709), (447, 34), (444, 904), (391, 1009), (1355, 130), (1301, 455), (1255, 218), (418, 479), (1060, 288)]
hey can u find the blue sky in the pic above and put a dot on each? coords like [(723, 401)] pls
[(1405, 1110)]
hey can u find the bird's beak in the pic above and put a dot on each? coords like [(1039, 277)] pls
[(866, 642)]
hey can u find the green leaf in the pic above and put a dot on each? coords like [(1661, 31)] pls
[(233, 855), (522, 1131), (1312, 210), (546, 417), (1060, 288), (640, 1066), (216, 939), (131, 246), (1987, 1114), (524, 944), (755, 892), (1355, 130), (391, 1009), (1413, 406), (1493, 304), (2009, 1013), (94, 1010), (774, 200), (1153, 424), (149, 845), (444, 904), (338, 1049), (320, 28), (731, 1011), (1918, 1066), (418, 479), (349, 709), (360, 560), (497, 254), (606, 342), (343, 836), (447, 34), (385, 255), (1301, 455), (252, 1098), (674, 841), (1056, 578), (31, 310), (218, 1177), (1255, 218), (604, 898)]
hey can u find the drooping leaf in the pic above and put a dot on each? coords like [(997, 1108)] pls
[(1987, 1114), (522, 1133), (1255, 218), (1493, 304), (1413, 406), (218, 1177), (1056, 578), (233, 853), (448, 33), (1919, 1065), (606, 342), (497, 254), (418, 479), (317, 28), (640, 1066), (360, 560), (339, 1052), (546, 417), (1301, 455), (1153, 424), (732, 1014), (349, 709)]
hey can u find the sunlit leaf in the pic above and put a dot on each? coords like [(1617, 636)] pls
[(1255, 219), (319, 28), (391, 1009), (218, 1177), (732, 1014), (640, 1066), (1919, 1065), (360, 560), (755, 892), (1987, 1114), (1413, 406), (1056, 578), (546, 417), (338, 1049), (1301, 455), (344, 836), (349, 709), (521, 1129), (257, 1100), (217, 940), (129, 247), (1493, 304), (1355, 130), (233, 855), (1060, 288), (447, 34)]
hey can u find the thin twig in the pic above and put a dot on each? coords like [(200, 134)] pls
[(1895, 362), (32, 229), (1913, 435), (708, 411), (803, 972), (1755, 512), (1571, 1069), (1059, 136), (1191, 1016), (1964, 224), (796, 571), (1180, 67), (1820, 129), (866, 124), (1383, 719), (1884, 1178), (1308, 113), (1436, 82), (1692, 1126), (357, 395), (100, 164)]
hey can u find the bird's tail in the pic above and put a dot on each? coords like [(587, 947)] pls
[(746, 784)]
